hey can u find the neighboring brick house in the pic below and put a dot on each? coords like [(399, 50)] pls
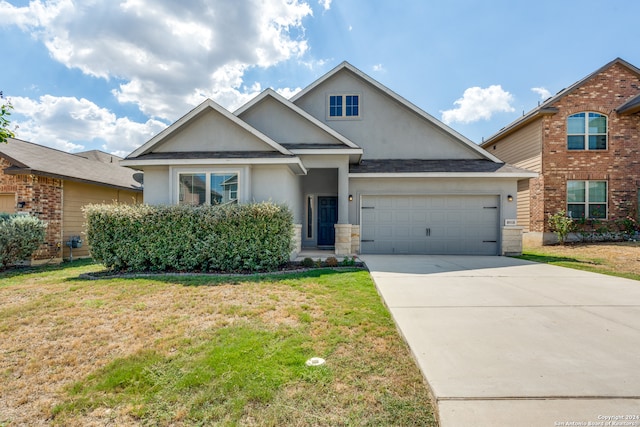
[(585, 144), (54, 186)]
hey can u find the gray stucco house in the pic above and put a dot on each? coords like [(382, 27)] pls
[(362, 169)]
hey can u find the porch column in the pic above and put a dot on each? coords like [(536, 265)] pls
[(343, 193), (343, 228)]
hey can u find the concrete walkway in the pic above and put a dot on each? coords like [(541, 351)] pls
[(505, 342)]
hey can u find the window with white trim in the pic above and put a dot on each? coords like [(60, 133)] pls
[(207, 188), (344, 106), (587, 199), (587, 131)]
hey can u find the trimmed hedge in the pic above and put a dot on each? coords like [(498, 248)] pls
[(20, 236), (228, 238)]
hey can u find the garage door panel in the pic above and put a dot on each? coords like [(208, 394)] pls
[(430, 224)]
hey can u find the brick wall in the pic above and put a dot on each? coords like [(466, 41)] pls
[(619, 164), (42, 198)]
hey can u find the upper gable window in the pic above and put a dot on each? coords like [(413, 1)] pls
[(344, 106), (587, 131)]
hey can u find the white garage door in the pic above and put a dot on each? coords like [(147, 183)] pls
[(443, 225)]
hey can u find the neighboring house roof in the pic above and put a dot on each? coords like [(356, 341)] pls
[(99, 156), (547, 106), (29, 158), (632, 106), (434, 168), (417, 110)]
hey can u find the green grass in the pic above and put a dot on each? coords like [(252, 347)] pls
[(247, 367), (591, 264)]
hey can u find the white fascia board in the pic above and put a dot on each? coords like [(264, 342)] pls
[(445, 175), (236, 161), (299, 151)]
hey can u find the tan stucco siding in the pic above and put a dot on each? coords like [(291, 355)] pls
[(385, 129), (284, 125), (75, 197), (211, 131), (279, 185), (522, 148)]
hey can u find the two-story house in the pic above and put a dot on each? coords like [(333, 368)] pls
[(585, 144)]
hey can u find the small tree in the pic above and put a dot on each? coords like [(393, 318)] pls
[(562, 225), (5, 112)]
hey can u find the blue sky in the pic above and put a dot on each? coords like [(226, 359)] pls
[(110, 74)]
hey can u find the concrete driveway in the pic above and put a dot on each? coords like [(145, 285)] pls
[(505, 342)]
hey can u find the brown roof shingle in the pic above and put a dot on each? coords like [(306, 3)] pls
[(29, 158)]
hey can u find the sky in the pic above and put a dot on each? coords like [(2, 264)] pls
[(111, 74)]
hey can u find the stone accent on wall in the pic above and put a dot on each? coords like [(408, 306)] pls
[(297, 241), (343, 239), (355, 239), (511, 241), (40, 197)]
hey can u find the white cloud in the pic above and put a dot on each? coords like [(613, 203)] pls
[(542, 92), (379, 68), (169, 58), (479, 104), (67, 123), (326, 4)]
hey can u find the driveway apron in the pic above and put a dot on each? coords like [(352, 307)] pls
[(506, 342)]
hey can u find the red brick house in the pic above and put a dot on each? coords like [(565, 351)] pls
[(54, 186), (585, 144)]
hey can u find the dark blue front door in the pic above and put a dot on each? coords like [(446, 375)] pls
[(327, 218)]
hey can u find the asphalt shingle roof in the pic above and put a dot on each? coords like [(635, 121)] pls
[(29, 158), (212, 155), (435, 166)]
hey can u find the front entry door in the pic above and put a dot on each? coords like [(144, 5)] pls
[(327, 218)]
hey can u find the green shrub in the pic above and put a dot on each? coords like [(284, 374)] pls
[(190, 238), (308, 262), (348, 262), (562, 225), (20, 236)]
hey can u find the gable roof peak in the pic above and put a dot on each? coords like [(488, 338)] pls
[(287, 103), (401, 100), (187, 118), (547, 106)]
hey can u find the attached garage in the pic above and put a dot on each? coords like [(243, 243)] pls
[(430, 224)]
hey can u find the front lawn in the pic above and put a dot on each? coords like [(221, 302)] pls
[(202, 350), (620, 259)]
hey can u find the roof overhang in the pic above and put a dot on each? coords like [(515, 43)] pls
[(457, 175), (294, 163), (630, 107), (519, 124), (12, 170), (355, 154)]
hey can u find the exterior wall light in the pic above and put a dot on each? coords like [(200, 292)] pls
[(510, 198), (350, 198)]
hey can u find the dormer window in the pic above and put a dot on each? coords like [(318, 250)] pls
[(587, 131), (344, 106)]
